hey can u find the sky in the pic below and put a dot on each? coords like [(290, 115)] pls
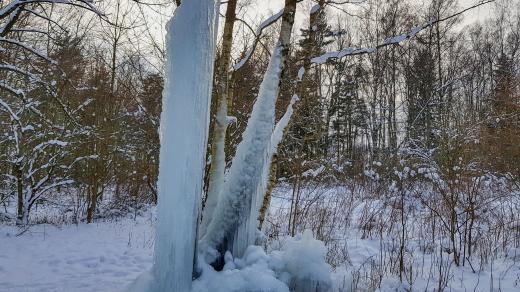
[(259, 10), (265, 7)]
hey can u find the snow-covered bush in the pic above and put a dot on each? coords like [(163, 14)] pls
[(301, 263)]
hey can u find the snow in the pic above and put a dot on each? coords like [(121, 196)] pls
[(105, 256), (400, 38), (57, 142), (301, 72), (396, 39), (357, 51), (28, 128), (184, 131), (341, 53), (314, 172), (278, 132), (28, 48), (363, 252), (50, 142), (273, 18), (252, 273), (231, 120), (7, 108), (15, 5), (315, 8), (108, 256), (303, 259)]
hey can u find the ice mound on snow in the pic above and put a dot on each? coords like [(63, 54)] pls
[(251, 273), (299, 265)]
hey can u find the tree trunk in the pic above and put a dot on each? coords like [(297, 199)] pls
[(218, 144), (92, 203), (267, 197), (232, 222), (19, 189), (300, 90), (115, 43)]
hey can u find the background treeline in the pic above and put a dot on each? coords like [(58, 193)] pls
[(79, 112), (415, 145)]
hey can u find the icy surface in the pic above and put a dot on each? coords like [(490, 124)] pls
[(277, 136), (184, 131), (247, 172), (251, 273), (298, 266)]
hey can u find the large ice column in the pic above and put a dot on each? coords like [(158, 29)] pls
[(184, 130), (234, 222)]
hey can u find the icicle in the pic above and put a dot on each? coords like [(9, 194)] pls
[(184, 130)]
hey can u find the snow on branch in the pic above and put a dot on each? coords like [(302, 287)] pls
[(10, 21), (43, 145), (16, 4), (279, 129), (395, 40), (13, 9), (15, 91), (52, 186), (258, 33), (12, 68), (10, 111), (28, 48)]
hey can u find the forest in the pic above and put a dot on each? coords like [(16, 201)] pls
[(255, 145)]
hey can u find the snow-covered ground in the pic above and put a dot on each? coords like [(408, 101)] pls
[(103, 256), (109, 255)]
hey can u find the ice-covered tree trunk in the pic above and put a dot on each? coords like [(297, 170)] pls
[(234, 222), (184, 130), (246, 170), (218, 142), (276, 138)]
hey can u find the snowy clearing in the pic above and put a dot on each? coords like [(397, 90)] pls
[(108, 256), (104, 256)]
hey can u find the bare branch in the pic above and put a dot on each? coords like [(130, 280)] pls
[(395, 40)]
